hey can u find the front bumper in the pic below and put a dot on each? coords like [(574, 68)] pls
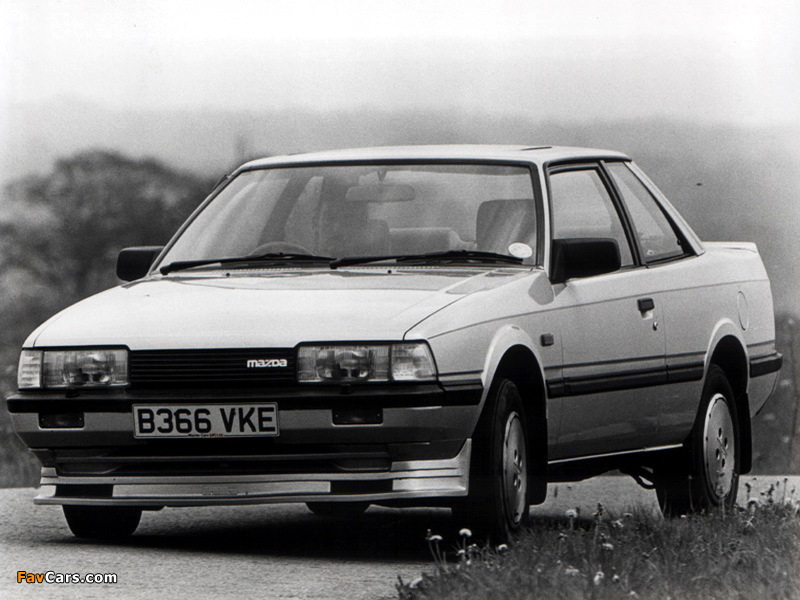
[(403, 481), (420, 448)]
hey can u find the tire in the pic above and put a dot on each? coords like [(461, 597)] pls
[(345, 510), (706, 474), (102, 522), (498, 504)]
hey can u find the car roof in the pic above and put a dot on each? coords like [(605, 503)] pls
[(534, 154)]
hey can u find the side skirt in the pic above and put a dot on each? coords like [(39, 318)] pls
[(579, 468)]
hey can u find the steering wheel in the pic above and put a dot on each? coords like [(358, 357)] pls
[(277, 247)]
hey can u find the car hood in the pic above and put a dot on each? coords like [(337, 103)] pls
[(277, 308)]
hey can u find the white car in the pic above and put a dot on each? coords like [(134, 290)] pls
[(443, 325)]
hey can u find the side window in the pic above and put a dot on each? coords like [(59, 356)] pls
[(582, 208), (657, 237)]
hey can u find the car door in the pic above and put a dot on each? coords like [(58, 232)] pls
[(663, 248), (613, 341)]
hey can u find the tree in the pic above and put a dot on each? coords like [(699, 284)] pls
[(64, 229), (60, 234)]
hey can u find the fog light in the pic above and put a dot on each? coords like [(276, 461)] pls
[(61, 420)]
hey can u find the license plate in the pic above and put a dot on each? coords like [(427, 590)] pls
[(205, 420)]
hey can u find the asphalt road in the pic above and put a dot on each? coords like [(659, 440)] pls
[(277, 551)]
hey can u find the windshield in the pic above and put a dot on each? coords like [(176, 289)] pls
[(375, 210)]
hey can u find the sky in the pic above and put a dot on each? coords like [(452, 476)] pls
[(204, 84), (712, 61)]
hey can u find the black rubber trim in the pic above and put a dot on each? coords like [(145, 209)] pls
[(556, 388), (686, 372), (616, 381), (466, 393), (624, 380), (765, 365)]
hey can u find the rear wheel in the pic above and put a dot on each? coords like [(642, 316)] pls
[(706, 475), (498, 501), (102, 522), (348, 510)]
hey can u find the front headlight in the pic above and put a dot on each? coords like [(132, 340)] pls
[(365, 362), (91, 368)]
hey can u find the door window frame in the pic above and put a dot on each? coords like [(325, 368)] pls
[(616, 202)]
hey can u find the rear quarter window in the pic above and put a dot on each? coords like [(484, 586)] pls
[(658, 238)]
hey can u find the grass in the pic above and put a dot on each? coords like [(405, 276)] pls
[(744, 554)]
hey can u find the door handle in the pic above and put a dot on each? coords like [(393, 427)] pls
[(646, 304)]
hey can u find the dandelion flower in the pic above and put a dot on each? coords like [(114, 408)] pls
[(598, 578), (608, 546), (618, 524), (502, 548), (465, 533), (571, 571), (571, 513), (615, 578), (627, 515), (432, 537)]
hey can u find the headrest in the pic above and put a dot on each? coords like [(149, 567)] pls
[(501, 222), (416, 240)]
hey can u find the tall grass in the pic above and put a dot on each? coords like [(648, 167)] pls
[(748, 553)]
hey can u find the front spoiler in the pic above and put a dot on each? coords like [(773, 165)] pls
[(405, 480)]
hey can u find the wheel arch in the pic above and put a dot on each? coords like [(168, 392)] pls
[(729, 354), (519, 363)]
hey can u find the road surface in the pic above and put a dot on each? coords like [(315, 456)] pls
[(270, 552)]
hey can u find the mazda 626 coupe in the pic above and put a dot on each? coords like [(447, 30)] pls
[(448, 326)]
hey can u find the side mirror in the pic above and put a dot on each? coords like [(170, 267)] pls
[(584, 257), (134, 263)]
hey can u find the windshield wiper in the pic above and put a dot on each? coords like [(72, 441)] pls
[(179, 265), (449, 256)]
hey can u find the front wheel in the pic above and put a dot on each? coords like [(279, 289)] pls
[(102, 522), (707, 474), (498, 502)]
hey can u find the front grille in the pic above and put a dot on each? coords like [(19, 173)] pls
[(209, 368)]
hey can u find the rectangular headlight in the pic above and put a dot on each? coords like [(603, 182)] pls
[(91, 368), (365, 363)]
